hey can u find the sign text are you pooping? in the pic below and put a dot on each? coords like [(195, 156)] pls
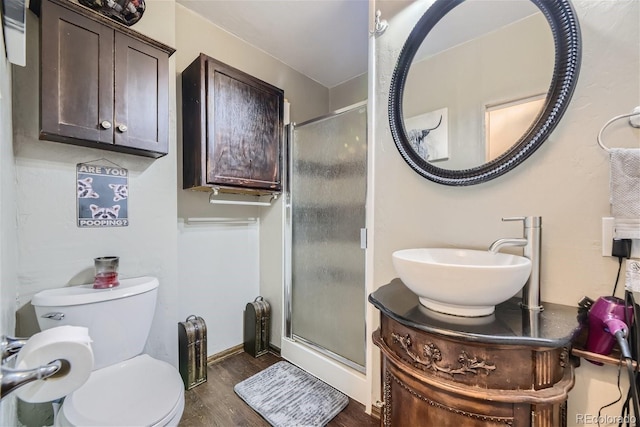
[(103, 193)]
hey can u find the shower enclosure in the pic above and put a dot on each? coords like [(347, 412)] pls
[(325, 295)]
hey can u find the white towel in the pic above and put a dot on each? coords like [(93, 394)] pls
[(625, 191)]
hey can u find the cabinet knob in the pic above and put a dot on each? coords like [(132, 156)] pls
[(105, 124), (122, 128)]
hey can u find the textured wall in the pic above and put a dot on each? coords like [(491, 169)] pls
[(52, 252), (308, 99), (218, 275), (8, 242), (195, 35), (565, 181), (348, 93)]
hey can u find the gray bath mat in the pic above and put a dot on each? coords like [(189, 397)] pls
[(287, 396)]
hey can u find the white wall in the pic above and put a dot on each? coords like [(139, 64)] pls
[(46, 250), (8, 241), (348, 93), (565, 181), (195, 35), (219, 273), (52, 252)]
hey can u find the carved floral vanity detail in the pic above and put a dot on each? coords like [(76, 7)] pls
[(511, 368)]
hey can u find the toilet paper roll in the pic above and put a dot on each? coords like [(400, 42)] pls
[(71, 345)]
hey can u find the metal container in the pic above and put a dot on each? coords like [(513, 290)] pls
[(256, 327), (192, 351)]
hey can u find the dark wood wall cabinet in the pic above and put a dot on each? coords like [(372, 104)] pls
[(103, 85), (232, 130), (498, 371)]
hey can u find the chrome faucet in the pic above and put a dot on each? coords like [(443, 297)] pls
[(531, 243)]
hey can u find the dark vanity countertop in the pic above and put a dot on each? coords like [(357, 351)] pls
[(556, 326)]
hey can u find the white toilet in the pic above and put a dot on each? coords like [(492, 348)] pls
[(126, 387)]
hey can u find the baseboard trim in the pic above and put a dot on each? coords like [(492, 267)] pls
[(376, 411), (275, 350), (237, 349), (215, 358)]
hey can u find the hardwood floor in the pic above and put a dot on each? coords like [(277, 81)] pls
[(214, 403)]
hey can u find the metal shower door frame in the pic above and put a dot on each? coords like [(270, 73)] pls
[(288, 236)]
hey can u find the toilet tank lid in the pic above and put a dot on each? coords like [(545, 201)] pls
[(86, 294)]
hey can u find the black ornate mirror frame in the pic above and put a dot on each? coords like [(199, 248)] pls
[(566, 35)]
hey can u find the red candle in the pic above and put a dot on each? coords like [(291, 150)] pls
[(106, 272)]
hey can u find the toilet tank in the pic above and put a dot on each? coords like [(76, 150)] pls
[(118, 319)]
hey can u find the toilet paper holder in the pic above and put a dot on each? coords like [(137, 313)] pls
[(11, 379)]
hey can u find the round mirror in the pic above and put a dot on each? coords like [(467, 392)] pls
[(480, 85)]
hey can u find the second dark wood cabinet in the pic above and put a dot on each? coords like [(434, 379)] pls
[(232, 129), (103, 85)]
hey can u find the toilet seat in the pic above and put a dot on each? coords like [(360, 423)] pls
[(141, 391)]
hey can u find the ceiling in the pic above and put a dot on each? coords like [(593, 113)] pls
[(326, 40)]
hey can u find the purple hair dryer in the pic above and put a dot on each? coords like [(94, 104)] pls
[(607, 324)]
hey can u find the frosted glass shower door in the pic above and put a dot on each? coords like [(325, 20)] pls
[(328, 164)]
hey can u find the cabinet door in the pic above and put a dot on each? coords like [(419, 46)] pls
[(76, 77), (141, 95), (244, 129)]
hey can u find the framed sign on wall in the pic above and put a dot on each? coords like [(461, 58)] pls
[(103, 194)]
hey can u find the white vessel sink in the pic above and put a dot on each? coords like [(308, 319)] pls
[(462, 282)]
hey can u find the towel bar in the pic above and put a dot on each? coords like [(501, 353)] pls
[(222, 220), (635, 124), (241, 199)]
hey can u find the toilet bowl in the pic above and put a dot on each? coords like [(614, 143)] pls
[(126, 387), (138, 392)]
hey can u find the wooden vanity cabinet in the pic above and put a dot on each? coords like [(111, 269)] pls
[(434, 380), (103, 85), (232, 129)]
